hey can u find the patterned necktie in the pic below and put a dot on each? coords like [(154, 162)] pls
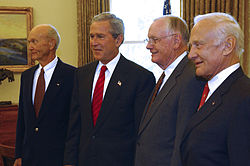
[(204, 95), (156, 89), (40, 90), (98, 94)]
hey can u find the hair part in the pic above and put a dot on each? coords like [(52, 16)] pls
[(117, 25), (225, 25)]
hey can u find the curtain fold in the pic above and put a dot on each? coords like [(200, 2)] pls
[(86, 10), (239, 9)]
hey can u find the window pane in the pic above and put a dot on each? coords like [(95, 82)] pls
[(138, 16)]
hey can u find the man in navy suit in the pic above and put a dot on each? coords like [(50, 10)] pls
[(40, 134), (107, 138), (218, 134)]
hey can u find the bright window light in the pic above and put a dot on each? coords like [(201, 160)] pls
[(137, 16)]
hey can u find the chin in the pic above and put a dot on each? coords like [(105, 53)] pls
[(198, 73), (98, 57)]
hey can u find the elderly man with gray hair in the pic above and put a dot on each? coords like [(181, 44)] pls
[(218, 134), (44, 102)]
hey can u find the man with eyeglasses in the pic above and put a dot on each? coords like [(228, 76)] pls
[(164, 116)]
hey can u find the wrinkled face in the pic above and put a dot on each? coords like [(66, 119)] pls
[(39, 44), (160, 44), (206, 50), (103, 45)]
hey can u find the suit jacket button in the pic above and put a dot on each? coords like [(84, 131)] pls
[(93, 137), (36, 129)]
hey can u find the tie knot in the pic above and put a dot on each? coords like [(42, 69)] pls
[(42, 71), (103, 68)]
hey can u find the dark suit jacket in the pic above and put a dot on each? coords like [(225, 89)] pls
[(112, 141), (158, 128), (40, 141), (219, 133)]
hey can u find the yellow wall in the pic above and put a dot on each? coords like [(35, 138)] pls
[(60, 13)]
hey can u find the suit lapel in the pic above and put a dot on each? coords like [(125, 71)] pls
[(212, 103), (87, 83), (113, 91), (54, 87), (30, 89), (170, 83)]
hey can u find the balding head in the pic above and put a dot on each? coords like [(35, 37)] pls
[(43, 41), (50, 31)]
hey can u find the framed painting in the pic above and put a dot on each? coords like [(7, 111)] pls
[(16, 23)]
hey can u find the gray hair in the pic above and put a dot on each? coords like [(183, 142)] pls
[(226, 25), (176, 24), (117, 25), (53, 34)]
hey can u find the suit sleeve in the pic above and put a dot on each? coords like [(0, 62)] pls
[(20, 129), (239, 135), (144, 89), (74, 129)]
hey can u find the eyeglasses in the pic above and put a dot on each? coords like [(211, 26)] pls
[(154, 40)]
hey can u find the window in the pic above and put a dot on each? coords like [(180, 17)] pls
[(138, 16)]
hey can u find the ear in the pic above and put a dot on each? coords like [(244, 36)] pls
[(229, 45), (118, 40), (52, 44), (177, 39)]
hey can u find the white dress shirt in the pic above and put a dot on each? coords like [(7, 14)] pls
[(48, 71), (219, 78), (169, 70), (108, 73)]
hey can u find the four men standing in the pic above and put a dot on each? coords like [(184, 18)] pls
[(108, 121)]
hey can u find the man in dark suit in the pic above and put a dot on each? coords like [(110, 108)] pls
[(43, 121), (218, 134), (106, 138), (168, 38)]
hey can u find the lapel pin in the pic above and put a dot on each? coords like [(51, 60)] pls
[(119, 83), (57, 84)]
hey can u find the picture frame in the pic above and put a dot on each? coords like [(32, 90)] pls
[(16, 23)]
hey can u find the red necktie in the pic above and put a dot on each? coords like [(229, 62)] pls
[(156, 89), (204, 95), (40, 90), (98, 94)]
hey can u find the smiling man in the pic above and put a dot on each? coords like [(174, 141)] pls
[(109, 97), (218, 133), (164, 117)]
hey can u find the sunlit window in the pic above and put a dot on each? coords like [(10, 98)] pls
[(138, 16)]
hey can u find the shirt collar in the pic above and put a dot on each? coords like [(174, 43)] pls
[(217, 80), (49, 66), (111, 65), (173, 65)]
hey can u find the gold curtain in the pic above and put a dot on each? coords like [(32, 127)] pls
[(86, 10), (237, 8)]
